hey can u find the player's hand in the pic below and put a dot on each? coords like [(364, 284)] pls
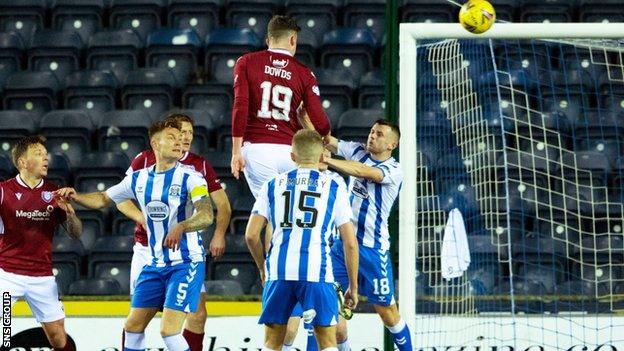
[(217, 246), (237, 164), (65, 194), (326, 155), (351, 298), (64, 205), (304, 118), (174, 237), (262, 277)]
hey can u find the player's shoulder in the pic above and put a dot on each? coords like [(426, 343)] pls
[(392, 163), (189, 170), (193, 158), (49, 186)]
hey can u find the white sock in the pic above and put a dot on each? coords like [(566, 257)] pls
[(344, 346), (397, 327), (330, 349), (176, 343), (134, 341), (286, 347)]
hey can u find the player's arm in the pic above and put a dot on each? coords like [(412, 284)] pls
[(240, 112), (356, 169), (331, 143), (313, 107), (130, 210), (72, 224), (255, 225), (224, 214), (94, 200)]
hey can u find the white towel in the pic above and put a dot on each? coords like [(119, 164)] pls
[(455, 250)]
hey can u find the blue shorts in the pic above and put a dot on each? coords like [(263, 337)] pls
[(318, 301), (374, 274), (175, 287), (297, 311)]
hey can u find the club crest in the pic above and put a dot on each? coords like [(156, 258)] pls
[(46, 196)]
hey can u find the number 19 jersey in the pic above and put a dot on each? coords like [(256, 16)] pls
[(303, 206), (269, 86)]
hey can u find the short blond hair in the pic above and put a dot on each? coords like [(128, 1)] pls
[(307, 145)]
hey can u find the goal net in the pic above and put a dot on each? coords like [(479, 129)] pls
[(512, 204)]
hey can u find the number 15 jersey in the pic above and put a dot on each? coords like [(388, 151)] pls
[(303, 206), (269, 86)]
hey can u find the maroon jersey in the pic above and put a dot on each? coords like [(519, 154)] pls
[(269, 86), (198, 163), (28, 219)]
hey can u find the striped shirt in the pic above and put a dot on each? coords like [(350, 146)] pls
[(371, 202), (165, 200), (303, 206)]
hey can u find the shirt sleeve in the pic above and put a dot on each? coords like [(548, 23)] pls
[(240, 109), (393, 174), (261, 206), (348, 149), (312, 103), (196, 186), (138, 162), (122, 191), (210, 175), (342, 207)]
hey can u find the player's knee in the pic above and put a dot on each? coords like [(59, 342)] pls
[(197, 319), (57, 338), (389, 314), (341, 331), (133, 326)]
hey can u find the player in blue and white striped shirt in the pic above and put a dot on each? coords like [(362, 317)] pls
[(174, 205), (375, 181), (303, 206)]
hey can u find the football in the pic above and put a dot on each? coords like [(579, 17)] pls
[(477, 16)]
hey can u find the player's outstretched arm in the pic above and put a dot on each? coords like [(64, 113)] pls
[(95, 200), (200, 220), (129, 209), (352, 261), (356, 169), (72, 224), (224, 214), (252, 237)]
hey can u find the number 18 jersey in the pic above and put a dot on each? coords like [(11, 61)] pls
[(303, 206), (269, 86)]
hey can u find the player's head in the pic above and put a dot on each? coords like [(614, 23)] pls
[(165, 139), (282, 33), (384, 136), (186, 127), (307, 147), (30, 156)]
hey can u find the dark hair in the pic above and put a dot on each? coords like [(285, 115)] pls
[(159, 126), (280, 26), (22, 145), (395, 128), (179, 117)]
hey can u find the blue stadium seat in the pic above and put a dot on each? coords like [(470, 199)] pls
[(318, 17), (118, 271), (245, 273), (371, 93), (366, 14), (337, 87), (568, 106), (149, 89), (31, 91), (99, 171), (66, 250), (600, 11), (355, 124), (10, 55), (92, 287), (254, 15), (596, 167), (59, 169), (142, 16), (223, 47), (23, 17), (64, 274), (125, 131), (7, 169), (219, 161), (55, 51), (113, 248), (307, 45), (428, 11), (15, 125), (114, 50), (202, 16), (223, 288), (207, 97), (553, 11), (350, 49), (68, 132), (82, 16), (505, 9), (174, 49), (92, 227), (602, 274), (232, 187), (90, 90)]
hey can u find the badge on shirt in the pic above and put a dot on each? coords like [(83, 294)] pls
[(359, 189), (46, 196), (174, 190)]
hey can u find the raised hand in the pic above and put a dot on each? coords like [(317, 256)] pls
[(65, 194)]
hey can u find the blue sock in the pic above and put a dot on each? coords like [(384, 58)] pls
[(401, 335), (312, 345)]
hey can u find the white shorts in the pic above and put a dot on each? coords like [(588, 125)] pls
[(142, 256), (41, 294), (264, 162)]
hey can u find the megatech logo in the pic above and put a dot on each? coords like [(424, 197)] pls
[(35, 215)]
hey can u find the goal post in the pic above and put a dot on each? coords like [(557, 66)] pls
[(517, 166)]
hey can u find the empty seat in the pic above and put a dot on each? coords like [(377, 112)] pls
[(99, 171), (90, 287), (15, 125), (207, 97), (59, 169), (149, 89), (483, 278), (66, 250), (64, 274), (111, 249), (554, 11), (90, 90), (67, 132), (245, 273), (202, 16), (318, 17), (351, 49), (307, 45), (55, 51), (429, 11), (372, 90), (142, 16), (366, 14), (7, 170), (31, 91), (23, 17), (603, 11), (587, 289), (11, 47), (355, 124), (253, 15), (125, 131), (118, 271), (174, 49), (223, 47), (82, 16), (336, 87), (223, 288), (116, 51)]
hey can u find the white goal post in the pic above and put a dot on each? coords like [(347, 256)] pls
[(409, 37)]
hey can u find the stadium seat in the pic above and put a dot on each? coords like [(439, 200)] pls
[(483, 278), (351, 49), (59, 169), (90, 90), (149, 89), (116, 51), (588, 289), (600, 248), (232, 187), (11, 48), (31, 91), (505, 9), (202, 16), (99, 171), (174, 49), (366, 14), (82, 16), (547, 273), (223, 47), (595, 165), (371, 93), (7, 169), (600, 11), (119, 272), (125, 131), (223, 288), (15, 125), (67, 132), (428, 11), (317, 17), (307, 44), (64, 274), (66, 250), (207, 97), (245, 273), (122, 225), (23, 17), (109, 249), (337, 87), (602, 274), (254, 15), (219, 161), (142, 16), (355, 124), (553, 11), (91, 287), (55, 51)]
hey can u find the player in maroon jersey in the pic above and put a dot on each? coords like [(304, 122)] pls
[(195, 322), (29, 215), (269, 88)]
